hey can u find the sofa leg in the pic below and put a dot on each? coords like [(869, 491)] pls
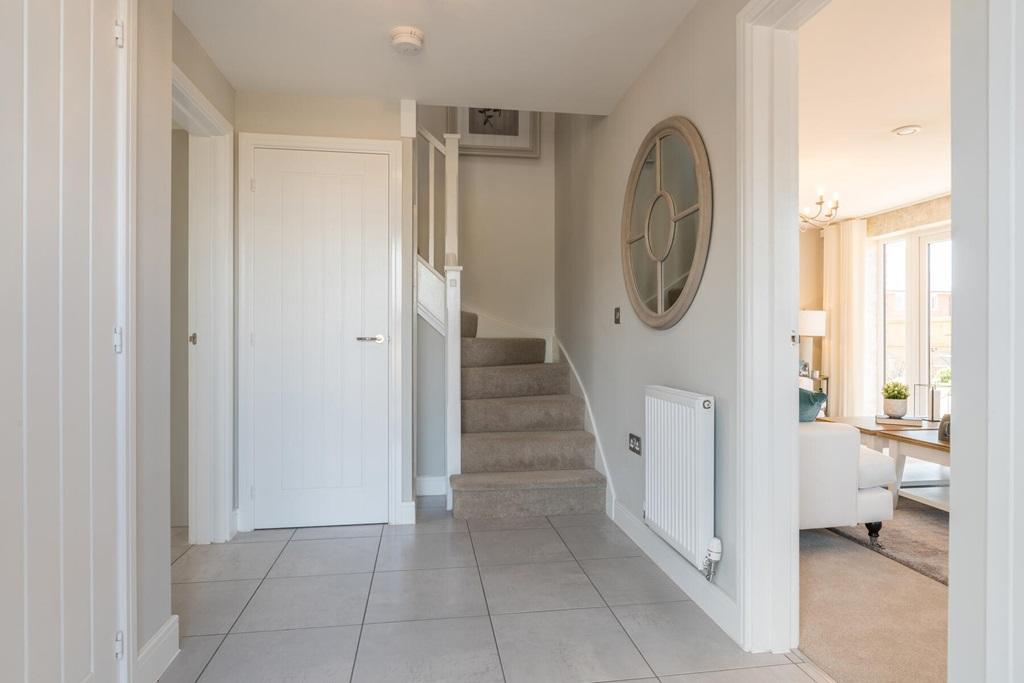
[(873, 529)]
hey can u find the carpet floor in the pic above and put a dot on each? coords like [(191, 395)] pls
[(917, 537), (867, 619)]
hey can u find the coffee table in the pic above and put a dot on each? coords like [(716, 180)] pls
[(921, 443)]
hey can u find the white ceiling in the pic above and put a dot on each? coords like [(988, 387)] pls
[(575, 56), (867, 67)]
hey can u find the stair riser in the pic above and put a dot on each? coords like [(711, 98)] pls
[(527, 503), (525, 456), (468, 322), (489, 352), (520, 417), (516, 380)]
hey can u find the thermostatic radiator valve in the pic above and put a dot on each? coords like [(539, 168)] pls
[(712, 559)]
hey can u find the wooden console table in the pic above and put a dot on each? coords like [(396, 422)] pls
[(921, 443)]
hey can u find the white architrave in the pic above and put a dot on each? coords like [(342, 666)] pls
[(398, 398), (769, 542), (211, 215)]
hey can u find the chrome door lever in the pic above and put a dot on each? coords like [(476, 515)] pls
[(377, 339)]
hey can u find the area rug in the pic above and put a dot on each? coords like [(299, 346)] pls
[(917, 537)]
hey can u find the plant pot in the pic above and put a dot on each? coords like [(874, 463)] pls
[(895, 407)]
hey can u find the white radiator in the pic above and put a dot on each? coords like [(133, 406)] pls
[(679, 469)]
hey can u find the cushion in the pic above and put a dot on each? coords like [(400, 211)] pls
[(810, 404), (876, 469)]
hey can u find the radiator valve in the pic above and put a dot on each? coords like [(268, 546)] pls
[(712, 559)]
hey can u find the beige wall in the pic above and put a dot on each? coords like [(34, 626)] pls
[(153, 321), (179, 328), (694, 75), (192, 59), (812, 257), (317, 116)]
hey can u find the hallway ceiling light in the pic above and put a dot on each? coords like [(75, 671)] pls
[(407, 40), (903, 131)]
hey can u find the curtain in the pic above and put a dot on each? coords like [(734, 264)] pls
[(849, 282)]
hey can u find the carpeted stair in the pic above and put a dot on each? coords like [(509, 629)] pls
[(524, 451)]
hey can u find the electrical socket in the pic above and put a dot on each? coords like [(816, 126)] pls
[(634, 443)]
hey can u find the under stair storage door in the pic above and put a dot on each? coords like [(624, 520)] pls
[(320, 317)]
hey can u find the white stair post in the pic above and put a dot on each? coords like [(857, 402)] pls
[(453, 299)]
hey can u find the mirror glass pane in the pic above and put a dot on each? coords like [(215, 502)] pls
[(645, 274), (680, 258), (660, 229), (678, 171), (646, 188)]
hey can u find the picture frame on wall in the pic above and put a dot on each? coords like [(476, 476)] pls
[(496, 132)]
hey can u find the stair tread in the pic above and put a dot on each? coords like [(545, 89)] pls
[(536, 479), (543, 398), (526, 379), (540, 435)]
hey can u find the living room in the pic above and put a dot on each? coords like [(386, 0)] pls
[(875, 322)]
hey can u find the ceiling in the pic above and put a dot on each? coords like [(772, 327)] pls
[(575, 56), (867, 67)]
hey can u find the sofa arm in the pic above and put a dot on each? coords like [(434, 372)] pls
[(829, 453)]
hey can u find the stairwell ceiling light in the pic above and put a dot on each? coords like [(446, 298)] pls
[(904, 131), (407, 40)]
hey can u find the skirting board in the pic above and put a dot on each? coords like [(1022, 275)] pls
[(156, 655), (432, 486), (406, 512), (722, 609)]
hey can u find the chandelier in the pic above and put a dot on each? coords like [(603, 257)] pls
[(824, 216)]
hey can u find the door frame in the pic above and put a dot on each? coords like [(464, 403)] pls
[(211, 169), (248, 143)]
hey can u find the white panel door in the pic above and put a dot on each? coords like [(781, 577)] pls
[(59, 233), (320, 281)]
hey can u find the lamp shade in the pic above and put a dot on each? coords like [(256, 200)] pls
[(812, 323)]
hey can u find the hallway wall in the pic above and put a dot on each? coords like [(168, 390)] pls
[(694, 75)]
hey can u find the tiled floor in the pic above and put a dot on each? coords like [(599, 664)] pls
[(525, 600)]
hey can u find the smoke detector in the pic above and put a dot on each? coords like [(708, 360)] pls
[(407, 40)]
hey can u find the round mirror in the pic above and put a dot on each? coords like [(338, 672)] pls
[(666, 222)]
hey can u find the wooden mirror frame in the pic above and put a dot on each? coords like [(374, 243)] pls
[(684, 128)]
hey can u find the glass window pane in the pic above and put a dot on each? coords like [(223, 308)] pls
[(940, 309), (895, 311)]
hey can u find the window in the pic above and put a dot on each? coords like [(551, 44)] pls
[(916, 316)]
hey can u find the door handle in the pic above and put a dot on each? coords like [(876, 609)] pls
[(193, 339), (377, 339)]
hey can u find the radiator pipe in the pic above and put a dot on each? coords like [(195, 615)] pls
[(712, 559)]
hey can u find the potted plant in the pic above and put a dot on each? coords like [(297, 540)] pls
[(895, 395)]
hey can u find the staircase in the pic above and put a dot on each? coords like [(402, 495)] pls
[(524, 451)]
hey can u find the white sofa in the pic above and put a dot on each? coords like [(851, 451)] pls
[(842, 483)]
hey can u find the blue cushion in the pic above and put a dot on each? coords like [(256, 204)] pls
[(810, 404)]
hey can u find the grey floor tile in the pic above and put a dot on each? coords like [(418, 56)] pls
[(519, 546), (330, 556), (425, 551), (591, 542), (195, 653), (263, 535), (352, 531), (631, 580), (431, 502), (535, 587), (311, 654), (586, 519), (573, 646), (205, 609), (500, 523), (786, 673), (306, 601), (678, 638), (426, 594), (428, 521), (225, 561), (442, 651), (177, 551)]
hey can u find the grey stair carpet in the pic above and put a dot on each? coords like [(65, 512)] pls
[(468, 322), (524, 449)]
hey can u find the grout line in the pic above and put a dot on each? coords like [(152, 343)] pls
[(242, 611), (366, 607), (607, 606), (487, 606)]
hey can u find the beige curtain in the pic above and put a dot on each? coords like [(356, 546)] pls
[(849, 346)]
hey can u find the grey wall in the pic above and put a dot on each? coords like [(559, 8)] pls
[(153, 321), (179, 328), (694, 75), (430, 397)]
